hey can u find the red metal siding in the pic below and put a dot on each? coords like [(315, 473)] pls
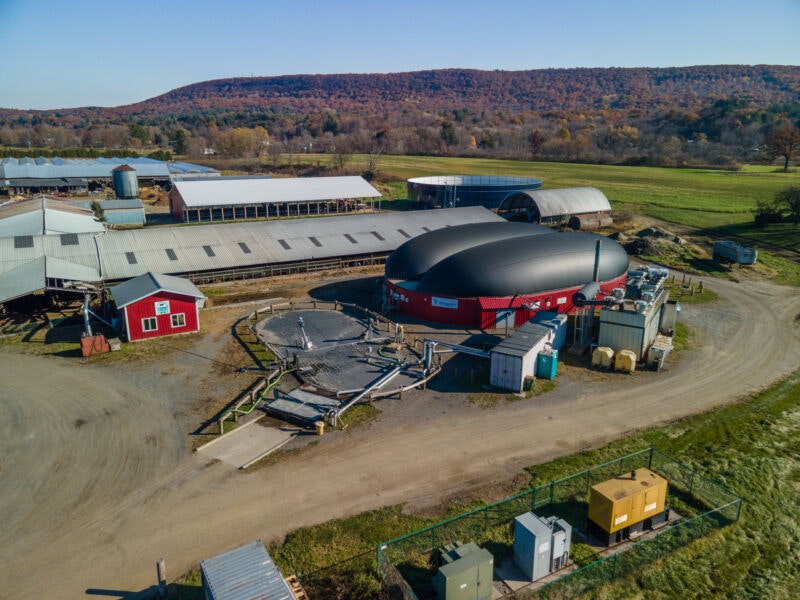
[(176, 203), (146, 307), (482, 312)]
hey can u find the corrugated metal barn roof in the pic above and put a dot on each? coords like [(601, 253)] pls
[(569, 201), (52, 168), (213, 192), (178, 250), (134, 204), (45, 215), (245, 573), (23, 279)]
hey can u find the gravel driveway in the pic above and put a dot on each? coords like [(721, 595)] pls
[(96, 483)]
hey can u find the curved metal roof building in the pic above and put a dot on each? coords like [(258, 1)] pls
[(553, 206)]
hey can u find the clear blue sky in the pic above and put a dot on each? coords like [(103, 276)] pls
[(67, 53)]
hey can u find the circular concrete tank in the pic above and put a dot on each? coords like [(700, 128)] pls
[(446, 191)]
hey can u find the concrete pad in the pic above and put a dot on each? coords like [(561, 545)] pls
[(241, 446)]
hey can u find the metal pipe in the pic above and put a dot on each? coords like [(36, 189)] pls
[(596, 273), (457, 348), (378, 384), (86, 324)]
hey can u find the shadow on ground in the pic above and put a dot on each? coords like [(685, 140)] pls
[(175, 591)]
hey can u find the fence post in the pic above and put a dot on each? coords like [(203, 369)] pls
[(650, 461), (533, 500), (485, 519), (691, 484)]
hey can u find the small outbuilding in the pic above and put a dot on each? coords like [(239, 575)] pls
[(154, 305), (514, 359), (244, 573)]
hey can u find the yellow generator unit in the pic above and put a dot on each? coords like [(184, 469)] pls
[(624, 504)]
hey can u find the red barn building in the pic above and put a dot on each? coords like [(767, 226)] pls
[(154, 305)]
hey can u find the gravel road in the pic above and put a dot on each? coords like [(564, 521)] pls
[(95, 483)]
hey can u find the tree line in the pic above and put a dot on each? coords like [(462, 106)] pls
[(717, 117)]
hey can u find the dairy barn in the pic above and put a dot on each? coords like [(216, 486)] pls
[(499, 274)]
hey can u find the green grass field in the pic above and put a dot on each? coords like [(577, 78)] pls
[(712, 199), (752, 448)]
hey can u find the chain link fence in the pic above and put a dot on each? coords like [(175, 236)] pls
[(408, 564)]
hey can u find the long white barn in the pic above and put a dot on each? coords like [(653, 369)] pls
[(205, 253), (241, 198)]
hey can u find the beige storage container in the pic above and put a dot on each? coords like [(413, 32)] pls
[(625, 361), (603, 357)]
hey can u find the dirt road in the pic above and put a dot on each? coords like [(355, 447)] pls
[(88, 507)]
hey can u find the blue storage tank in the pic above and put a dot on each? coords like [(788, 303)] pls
[(126, 185), (555, 321), (547, 363)]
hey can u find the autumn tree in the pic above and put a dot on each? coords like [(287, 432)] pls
[(137, 131), (536, 141), (448, 134), (790, 198), (782, 142), (241, 141), (180, 141), (341, 156)]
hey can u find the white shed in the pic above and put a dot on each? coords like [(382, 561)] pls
[(514, 359)]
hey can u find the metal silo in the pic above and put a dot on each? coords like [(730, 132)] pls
[(126, 186)]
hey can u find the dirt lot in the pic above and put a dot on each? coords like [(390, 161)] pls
[(97, 482)]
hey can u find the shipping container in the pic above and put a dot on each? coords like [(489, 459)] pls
[(729, 251)]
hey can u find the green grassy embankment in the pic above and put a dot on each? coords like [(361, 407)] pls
[(752, 448)]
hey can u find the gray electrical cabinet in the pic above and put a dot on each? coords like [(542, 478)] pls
[(562, 536), (540, 545)]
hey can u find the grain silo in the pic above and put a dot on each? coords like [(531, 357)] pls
[(126, 186)]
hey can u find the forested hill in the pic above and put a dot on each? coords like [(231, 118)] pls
[(718, 116), (543, 90), (539, 90)]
